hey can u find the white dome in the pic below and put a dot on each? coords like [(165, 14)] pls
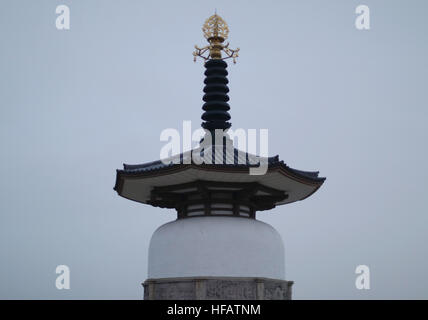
[(216, 246)]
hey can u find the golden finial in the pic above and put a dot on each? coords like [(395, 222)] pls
[(215, 30)]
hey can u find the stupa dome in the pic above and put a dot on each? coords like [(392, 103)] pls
[(216, 246)]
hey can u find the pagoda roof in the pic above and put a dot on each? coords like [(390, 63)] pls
[(136, 181)]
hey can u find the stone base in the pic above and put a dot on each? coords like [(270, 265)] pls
[(217, 288)]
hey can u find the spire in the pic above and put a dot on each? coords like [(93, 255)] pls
[(216, 115)]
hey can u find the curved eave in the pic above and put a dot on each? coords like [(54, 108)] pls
[(136, 183)]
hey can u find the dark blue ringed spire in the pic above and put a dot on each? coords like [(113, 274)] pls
[(216, 115)]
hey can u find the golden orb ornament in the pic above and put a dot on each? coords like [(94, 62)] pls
[(215, 30), (215, 26)]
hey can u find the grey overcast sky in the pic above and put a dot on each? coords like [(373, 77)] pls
[(76, 104)]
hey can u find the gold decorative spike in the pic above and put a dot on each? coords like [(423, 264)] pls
[(215, 31)]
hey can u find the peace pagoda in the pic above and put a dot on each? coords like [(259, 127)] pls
[(216, 248)]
